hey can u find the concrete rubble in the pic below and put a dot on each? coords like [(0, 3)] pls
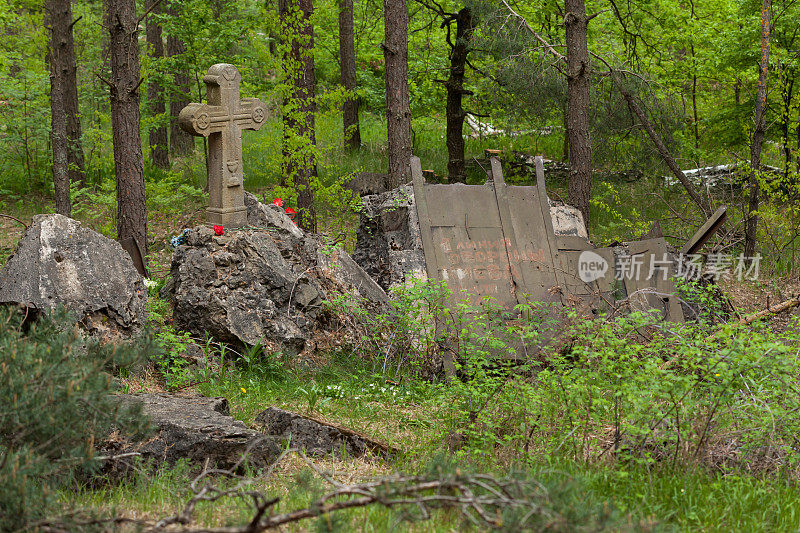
[(59, 262), (262, 284), (316, 437)]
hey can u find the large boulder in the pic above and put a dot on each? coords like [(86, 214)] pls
[(241, 290), (262, 285), (58, 262), (195, 428)]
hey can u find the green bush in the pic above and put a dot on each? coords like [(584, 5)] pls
[(614, 389), (635, 390), (55, 407)]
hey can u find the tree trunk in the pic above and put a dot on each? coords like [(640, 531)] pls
[(180, 142), (59, 18), (565, 145), (751, 223), (299, 133), (159, 142), (347, 53), (787, 86), (578, 97), (456, 168), (128, 163), (77, 165), (696, 121), (398, 108), (797, 131)]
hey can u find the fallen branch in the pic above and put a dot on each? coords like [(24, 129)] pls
[(481, 499), (14, 218), (774, 310), (634, 106)]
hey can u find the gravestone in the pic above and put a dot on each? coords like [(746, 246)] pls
[(222, 120)]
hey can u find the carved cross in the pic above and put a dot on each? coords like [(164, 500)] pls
[(222, 120)]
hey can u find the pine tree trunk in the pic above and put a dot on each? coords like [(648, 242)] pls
[(797, 133), (159, 142), (751, 223), (128, 163), (398, 109), (456, 167), (56, 12), (347, 53), (578, 96), (77, 164), (299, 133), (787, 87), (180, 142)]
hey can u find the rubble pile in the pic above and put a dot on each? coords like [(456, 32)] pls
[(262, 284)]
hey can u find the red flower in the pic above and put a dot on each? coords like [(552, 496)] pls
[(291, 212), (278, 202), (219, 230)]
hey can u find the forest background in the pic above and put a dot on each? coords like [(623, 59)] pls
[(694, 428), (692, 67)]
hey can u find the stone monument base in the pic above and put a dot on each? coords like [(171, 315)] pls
[(229, 217)]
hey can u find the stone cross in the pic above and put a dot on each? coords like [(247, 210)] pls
[(222, 120)]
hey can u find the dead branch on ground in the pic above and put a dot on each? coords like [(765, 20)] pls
[(481, 499), (774, 310)]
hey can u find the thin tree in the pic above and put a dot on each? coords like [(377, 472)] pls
[(59, 17), (75, 158), (122, 26), (180, 142), (751, 222), (347, 53), (455, 113), (398, 108), (578, 73), (159, 141), (661, 148), (578, 99), (299, 107)]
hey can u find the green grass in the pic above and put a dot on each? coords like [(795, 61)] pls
[(415, 418)]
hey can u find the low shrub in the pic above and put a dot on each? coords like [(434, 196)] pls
[(55, 406)]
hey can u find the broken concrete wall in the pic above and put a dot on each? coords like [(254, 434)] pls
[(389, 243)]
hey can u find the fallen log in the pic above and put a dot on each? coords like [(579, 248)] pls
[(782, 307)]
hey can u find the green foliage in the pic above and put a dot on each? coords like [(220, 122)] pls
[(668, 400), (706, 300), (174, 368), (407, 333), (57, 406), (609, 221), (624, 388)]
